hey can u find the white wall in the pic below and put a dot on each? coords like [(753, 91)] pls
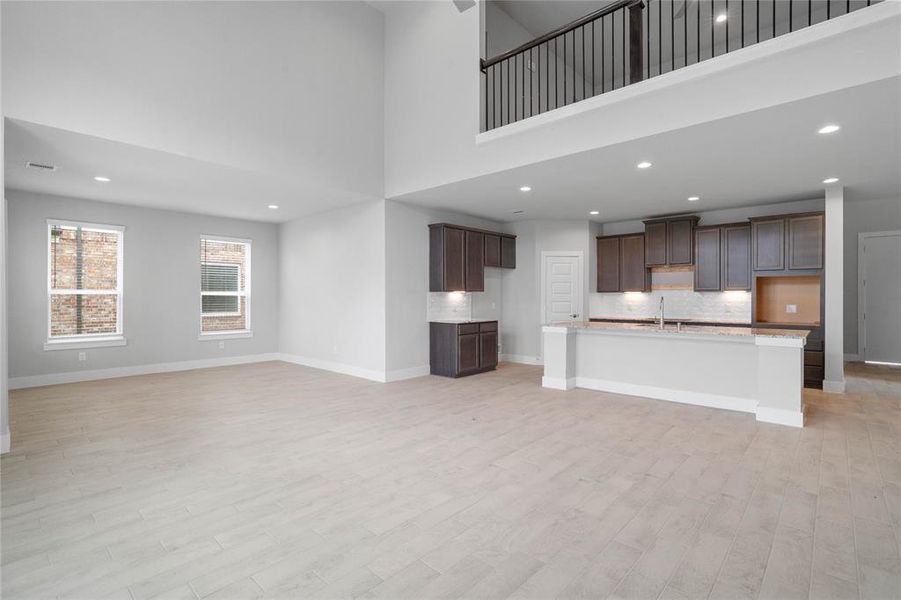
[(862, 216), (521, 308), (4, 350), (833, 293), (407, 283), (161, 286), (332, 290), (432, 100)]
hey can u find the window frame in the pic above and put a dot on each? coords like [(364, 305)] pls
[(245, 270), (86, 340)]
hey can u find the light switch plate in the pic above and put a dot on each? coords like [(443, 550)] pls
[(221, 344), (791, 308), (82, 356)]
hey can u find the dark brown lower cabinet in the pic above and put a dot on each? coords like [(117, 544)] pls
[(460, 349)]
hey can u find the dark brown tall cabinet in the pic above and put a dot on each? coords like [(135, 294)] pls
[(669, 241), (458, 256), (621, 264), (460, 349), (723, 257)]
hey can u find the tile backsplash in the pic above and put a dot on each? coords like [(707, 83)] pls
[(725, 307), (449, 306)]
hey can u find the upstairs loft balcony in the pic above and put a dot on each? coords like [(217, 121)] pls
[(628, 41)]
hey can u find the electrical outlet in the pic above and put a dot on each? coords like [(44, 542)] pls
[(335, 349), (791, 308), (82, 356), (221, 345)]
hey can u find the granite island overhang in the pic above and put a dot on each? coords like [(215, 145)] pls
[(747, 369)]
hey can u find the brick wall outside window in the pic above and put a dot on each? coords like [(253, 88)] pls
[(82, 314), (228, 253)]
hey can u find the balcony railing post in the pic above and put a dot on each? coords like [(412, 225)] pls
[(636, 57)]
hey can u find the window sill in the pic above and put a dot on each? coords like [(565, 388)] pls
[(79, 344), (224, 335)]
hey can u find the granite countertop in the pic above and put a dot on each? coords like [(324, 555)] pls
[(735, 322), (458, 321), (671, 329)]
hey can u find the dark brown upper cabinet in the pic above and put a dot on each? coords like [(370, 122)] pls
[(508, 251), (669, 241), (708, 259), (736, 256), (458, 256), (806, 235), (723, 257), (608, 255), (621, 263), (475, 261), (788, 242)]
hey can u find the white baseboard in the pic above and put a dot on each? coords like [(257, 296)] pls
[(409, 373), (4, 442), (834, 387), (29, 381), (780, 416), (335, 367), (558, 383), (684, 397), (521, 359)]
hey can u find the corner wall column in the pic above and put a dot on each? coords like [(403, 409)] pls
[(559, 358), (834, 294)]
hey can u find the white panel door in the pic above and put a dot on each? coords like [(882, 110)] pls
[(562, 289), (882, 298)]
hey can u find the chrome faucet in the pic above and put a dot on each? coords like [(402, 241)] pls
[(660, 322)]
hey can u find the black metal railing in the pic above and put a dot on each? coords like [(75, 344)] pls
[(631, 40)]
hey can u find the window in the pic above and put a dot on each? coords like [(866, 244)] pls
[(224, 287), (84, 285)]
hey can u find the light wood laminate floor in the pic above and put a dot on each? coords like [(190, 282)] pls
[(274, 480)]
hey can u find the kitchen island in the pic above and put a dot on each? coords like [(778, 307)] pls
[(746, 369)]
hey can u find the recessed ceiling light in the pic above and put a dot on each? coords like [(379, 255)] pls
[(594, 212), (102, 179), (831, 180), (273, 206), (721, 17), (693, 198), (828, 129), (643, 164), (525, 188)]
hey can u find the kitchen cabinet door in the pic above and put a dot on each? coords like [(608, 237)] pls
[(608, 264), (467, 353), (508, 252), (655, 244), (633, 272), (768, 245), (737, 257), (708, 266), (805, 242), (492, 250), (680, 241), (488, 350), (475, 262)]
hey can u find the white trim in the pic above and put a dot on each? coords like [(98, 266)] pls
[(861, 290), (747, 405), (85, 225), (558, 383), (335, 367), (5, 439), (17, 383), (408, 373), (542, 282), (725, 62), (210, 336), (834, 387), (883, 363), (81, 342), (522, 359), (780, 416)]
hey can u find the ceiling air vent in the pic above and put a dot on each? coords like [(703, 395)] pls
[(39, 166)]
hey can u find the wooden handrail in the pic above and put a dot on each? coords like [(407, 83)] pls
[(601, 12)]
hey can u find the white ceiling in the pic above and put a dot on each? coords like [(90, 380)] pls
[(768, 155), (207, 102)]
